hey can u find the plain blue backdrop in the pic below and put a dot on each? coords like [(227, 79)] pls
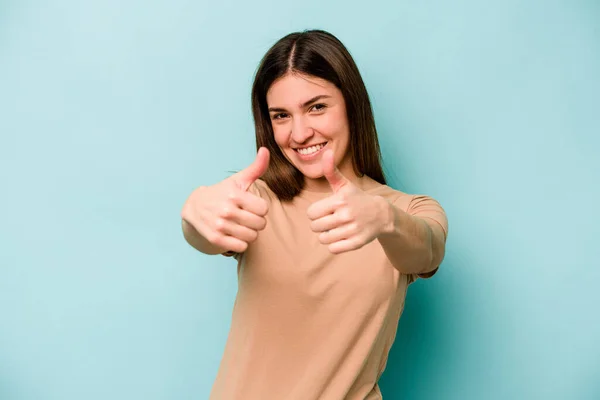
[(112, 112)]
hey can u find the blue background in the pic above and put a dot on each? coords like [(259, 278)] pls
[(111, 113)]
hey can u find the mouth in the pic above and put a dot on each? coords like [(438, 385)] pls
[(309, 152)]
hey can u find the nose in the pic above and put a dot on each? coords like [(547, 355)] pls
[(301, 130)]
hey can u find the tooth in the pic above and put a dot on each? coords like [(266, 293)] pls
[(311, 149)]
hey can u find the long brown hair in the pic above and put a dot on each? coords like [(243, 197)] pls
[(320, 54)]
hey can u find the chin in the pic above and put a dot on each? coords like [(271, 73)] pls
[(313, 176), (311, 173)]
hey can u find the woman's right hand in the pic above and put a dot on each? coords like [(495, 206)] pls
[(227, 215)]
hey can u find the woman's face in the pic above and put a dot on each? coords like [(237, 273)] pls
[(308, 116)]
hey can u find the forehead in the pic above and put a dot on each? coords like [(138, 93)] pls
[(293, 89)]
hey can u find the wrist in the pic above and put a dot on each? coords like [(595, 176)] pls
[(387, 213)]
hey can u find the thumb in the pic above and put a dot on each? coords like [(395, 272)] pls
[(247, 176), (332, 174)]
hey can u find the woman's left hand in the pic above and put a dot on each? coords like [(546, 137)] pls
[(350, 218)]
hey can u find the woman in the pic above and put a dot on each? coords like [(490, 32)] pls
[(325, 249)]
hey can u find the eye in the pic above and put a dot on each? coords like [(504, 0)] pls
[(279, 116), (319, 107)]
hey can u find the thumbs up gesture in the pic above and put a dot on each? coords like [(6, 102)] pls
[(227, 215), (349, 218)]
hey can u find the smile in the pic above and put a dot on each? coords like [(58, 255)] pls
[(312, 150)]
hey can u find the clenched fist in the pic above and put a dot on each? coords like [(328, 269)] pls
[(227, 215), (349, 218)]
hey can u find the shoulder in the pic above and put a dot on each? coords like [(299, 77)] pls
[(397, 197), (419, 205)]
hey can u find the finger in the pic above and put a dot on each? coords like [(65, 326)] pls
[(343, 232), (249, 175), (324, 207), (250, 202), (230, 228), (345, 245), (229, 243), (326, 223), (248, 219), (332, 173)]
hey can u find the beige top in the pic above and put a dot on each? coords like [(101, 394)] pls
[(308, 324)]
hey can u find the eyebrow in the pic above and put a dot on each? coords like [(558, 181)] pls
[(306, 104)]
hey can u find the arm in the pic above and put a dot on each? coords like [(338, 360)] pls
[(414, 241)]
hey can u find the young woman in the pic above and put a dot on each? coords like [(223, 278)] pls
[(325, 249)]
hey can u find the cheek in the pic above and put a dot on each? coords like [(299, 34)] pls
[(334, 125), (280, 134)]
